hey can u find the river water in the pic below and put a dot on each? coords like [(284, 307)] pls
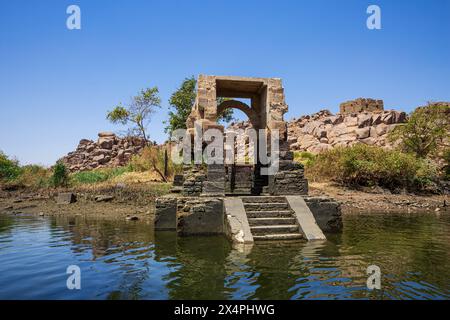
[(126, 260)]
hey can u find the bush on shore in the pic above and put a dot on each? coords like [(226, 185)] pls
[(9, 169), (304, 157), (60, 176), (13, 176), (363, 165), (34, 176)]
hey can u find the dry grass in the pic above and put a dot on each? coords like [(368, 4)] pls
[(137, 177)]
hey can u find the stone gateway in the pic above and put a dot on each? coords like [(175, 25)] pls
[(243, 199)]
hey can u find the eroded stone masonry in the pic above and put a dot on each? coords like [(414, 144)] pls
[(241, 199)]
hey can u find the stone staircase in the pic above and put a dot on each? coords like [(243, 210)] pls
[(271, 218)]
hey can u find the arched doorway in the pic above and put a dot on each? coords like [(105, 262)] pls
[(265, 111), (241, 174)]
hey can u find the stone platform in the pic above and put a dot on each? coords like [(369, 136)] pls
[(250, 218)]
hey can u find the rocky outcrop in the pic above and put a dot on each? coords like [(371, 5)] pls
[(108, 151), (360, 121), (322, 131)]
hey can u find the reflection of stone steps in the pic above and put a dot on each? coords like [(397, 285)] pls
[(271, 218)]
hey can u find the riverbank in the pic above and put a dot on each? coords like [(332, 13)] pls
[(379, 200), (103, 200), (135, 201)]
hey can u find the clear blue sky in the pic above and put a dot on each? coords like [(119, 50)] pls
[(56, 85)]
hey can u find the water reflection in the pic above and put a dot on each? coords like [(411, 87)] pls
[(126, 260)]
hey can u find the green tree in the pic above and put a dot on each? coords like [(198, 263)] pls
[(425, 131), (182, 100), (138, 112)]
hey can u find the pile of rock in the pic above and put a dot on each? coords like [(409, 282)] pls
[(108, 151), (323, 131)]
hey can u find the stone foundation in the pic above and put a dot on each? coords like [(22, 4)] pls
[(327, 213), (289, 180), (206, 215), (166, 218)]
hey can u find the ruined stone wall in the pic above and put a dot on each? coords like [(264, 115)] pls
[(108, 151), (361, 105), (193, 181), (276, 109)]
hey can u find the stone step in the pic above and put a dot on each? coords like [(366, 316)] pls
[(237, 190), (242, 186), (269, 214), (271, 221), (270, 206), (176, 189), (264, 199), (278, 237), (289, 228)]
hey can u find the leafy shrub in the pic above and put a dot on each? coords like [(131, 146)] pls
[(60, 176), (34, 176), (96, 176), (363, 165), (304, 157), (9, 169)]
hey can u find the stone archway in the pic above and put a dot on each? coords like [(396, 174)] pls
[(265, 112), (235, 104), (240, 174)]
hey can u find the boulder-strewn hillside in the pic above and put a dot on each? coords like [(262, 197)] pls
[(108, 151), (323, 130), (360, 120)]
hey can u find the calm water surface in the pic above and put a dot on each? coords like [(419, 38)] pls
[(126, 260)]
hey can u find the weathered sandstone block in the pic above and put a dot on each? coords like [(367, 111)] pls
[(166, 214), (205, 217), (327, 213), (66, 198)]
